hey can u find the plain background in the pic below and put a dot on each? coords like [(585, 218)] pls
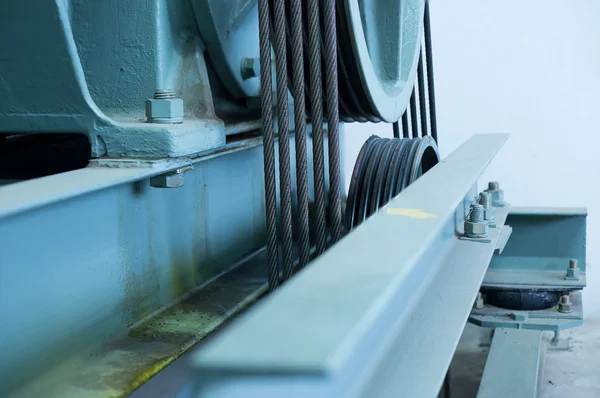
[(532, 69)]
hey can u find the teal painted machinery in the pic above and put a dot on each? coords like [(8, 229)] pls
[(169, 166)]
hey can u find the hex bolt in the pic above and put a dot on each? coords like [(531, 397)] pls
[(493, 185), (476, 214), (250, 68), (564, 305), (479, 303), (173, 179), (475, 226), (496, 192), (164, 93), (573, 271), (164, 107), (489, 212)]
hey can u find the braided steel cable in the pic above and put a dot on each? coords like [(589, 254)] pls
[(429, 63), (396, 128), (300, 127), (285, 182), (316, 106), (414, 124), (331, 92), (264, 23), (405, 124), (422, 99)]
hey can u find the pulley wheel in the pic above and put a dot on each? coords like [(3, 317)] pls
[(380, 43), (229, 31), (383, 168)]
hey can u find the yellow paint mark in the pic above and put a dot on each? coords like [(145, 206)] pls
[(412, 213)]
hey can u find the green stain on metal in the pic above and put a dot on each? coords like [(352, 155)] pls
[(116, 368)]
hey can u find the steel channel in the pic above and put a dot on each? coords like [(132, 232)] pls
[(500, 377), (370, 283), (94, 252)]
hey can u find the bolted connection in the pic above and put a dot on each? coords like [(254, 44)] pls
[(164, 107), (493, 185), (489, 212), (164, 93), (173, 179), (479, 303), (476, 214), (573, 271), (475, 226), (565, 304), (250, 68), (496, 192)]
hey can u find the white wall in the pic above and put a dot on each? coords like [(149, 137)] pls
[(530, 68)]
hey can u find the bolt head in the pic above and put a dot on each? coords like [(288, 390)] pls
[(167, 181), (573, 273), (166, 111), (565, 308), (475, 229), (493, 185), (250, 68), (565, 304), (497, 196), (479, 303)]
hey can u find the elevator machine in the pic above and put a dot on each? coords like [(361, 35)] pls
[(171, 180)]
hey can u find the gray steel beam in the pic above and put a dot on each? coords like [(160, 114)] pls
[(513, 365), (336, 328), (85, 255)]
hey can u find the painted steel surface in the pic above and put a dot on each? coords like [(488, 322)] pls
[(537, 254), (320, 333), (85, 76), (79, 268), (501, 378)]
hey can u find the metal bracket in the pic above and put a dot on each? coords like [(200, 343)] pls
[(543, 241), (550, 319)]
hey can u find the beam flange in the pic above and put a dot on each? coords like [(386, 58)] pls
[(328, 332)]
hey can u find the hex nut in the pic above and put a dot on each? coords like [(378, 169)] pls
[(250, 68), (476, 230), (565, 304), (479, 303), (497, 196), (167, 181), (573, 273), (166, 111)]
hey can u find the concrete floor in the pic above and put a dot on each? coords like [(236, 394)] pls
[(573, 373)]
